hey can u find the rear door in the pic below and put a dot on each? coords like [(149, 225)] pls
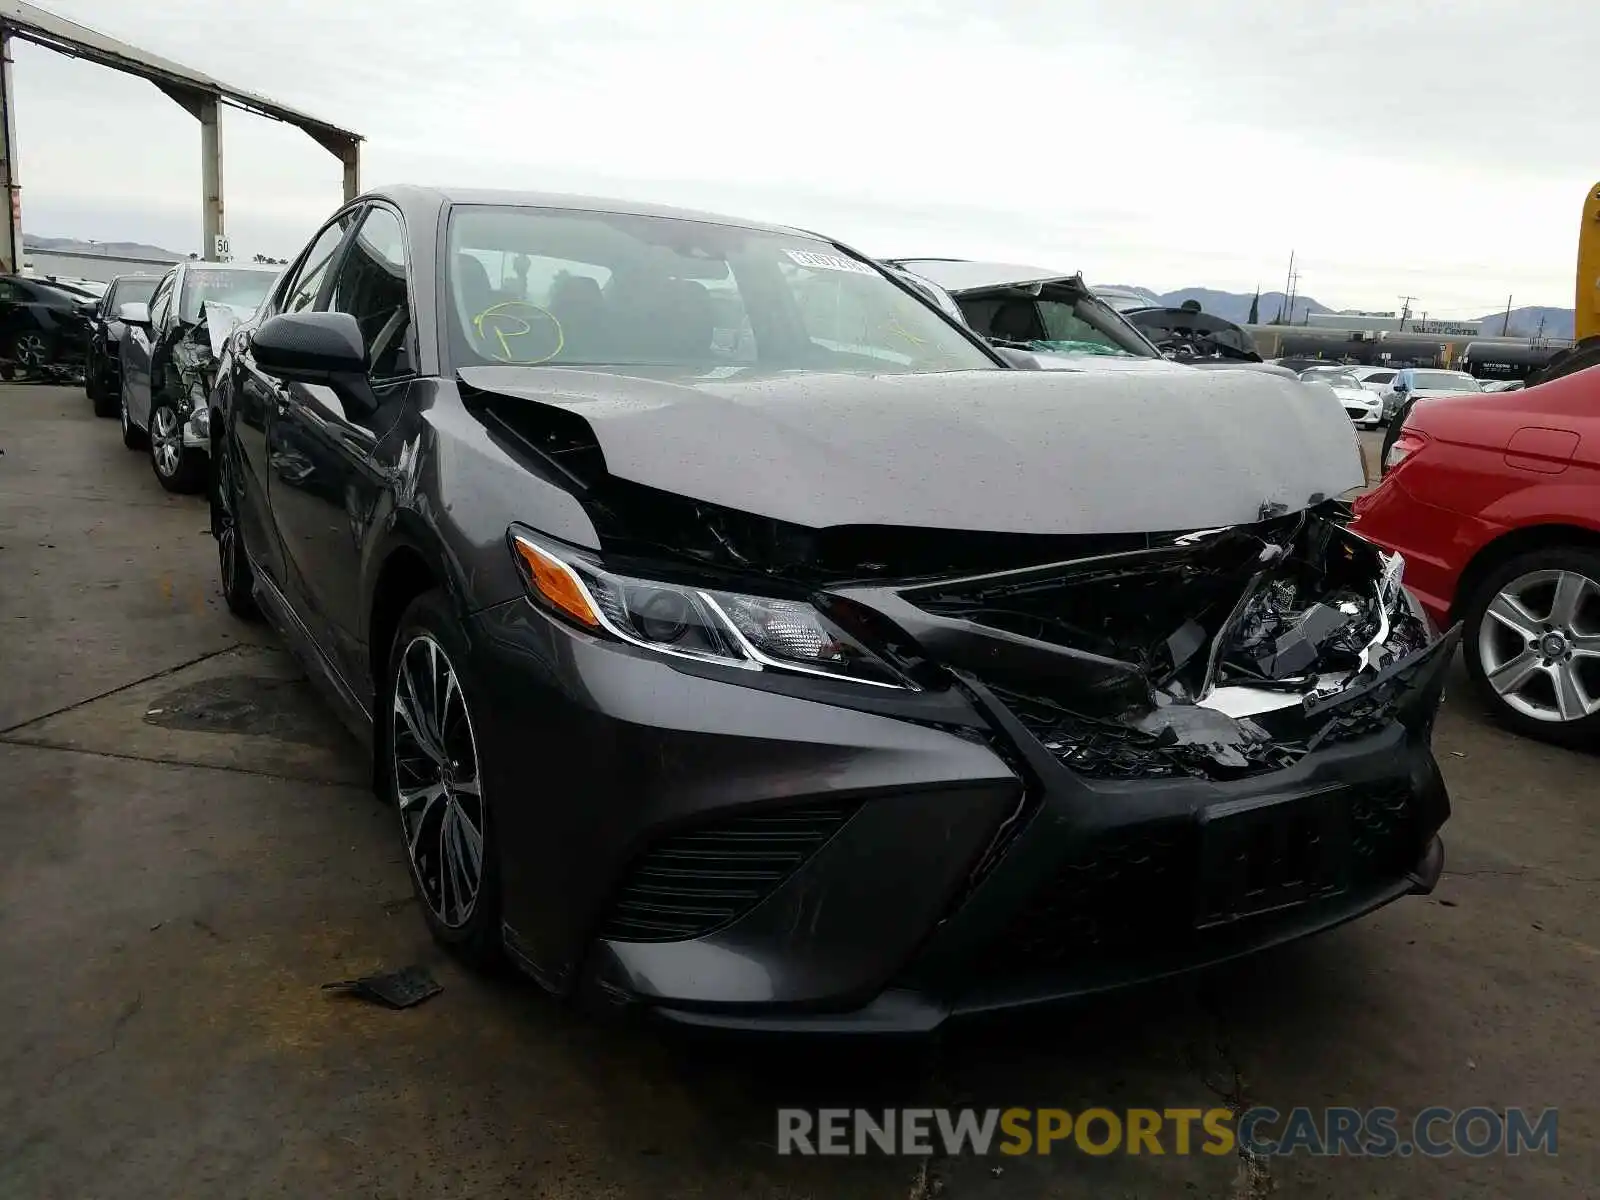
[(323, 484), (256, 396), (135, 352)]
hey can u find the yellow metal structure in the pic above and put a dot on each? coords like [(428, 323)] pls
[(1588, 299)]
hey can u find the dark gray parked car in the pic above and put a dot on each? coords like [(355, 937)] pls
[(102, 367), (737, 636)]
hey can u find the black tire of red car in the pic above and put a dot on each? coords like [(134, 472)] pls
[(132, 436), (238, 580), (1577, 560), (422, 749), (177, 468)]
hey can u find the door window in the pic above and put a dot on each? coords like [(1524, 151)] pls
[(161, 300), (371, 286), (301, 293)]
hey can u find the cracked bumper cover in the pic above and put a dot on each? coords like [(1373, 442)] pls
[(925, 903)]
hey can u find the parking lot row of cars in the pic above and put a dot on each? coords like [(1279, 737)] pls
[(1019, 635), (153, 342)]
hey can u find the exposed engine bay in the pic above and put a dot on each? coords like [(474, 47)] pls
[(1227, 653)]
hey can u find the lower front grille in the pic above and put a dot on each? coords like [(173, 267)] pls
[(1140, 890), (693, 883), (1112, 750)]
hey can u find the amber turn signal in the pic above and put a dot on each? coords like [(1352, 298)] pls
[(556, 583)]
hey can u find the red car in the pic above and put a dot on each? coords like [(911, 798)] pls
[(1494, 500)]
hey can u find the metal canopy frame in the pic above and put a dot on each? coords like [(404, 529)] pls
[(200, 95)]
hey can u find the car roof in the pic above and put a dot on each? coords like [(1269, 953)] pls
[(963, 275), (412, 196)]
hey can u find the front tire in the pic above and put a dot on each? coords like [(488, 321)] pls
[(102, 396), (178, 468), (132, 436), (1532, 643), (238, 580), (431, 769)]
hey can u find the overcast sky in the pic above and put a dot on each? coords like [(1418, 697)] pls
[(1439, 150)]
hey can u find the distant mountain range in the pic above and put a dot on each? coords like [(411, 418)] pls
[(1232, 306), (1235, 307), (119, 249)]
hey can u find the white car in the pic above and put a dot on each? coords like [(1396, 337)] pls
[(1375, 379), (1363, 407)]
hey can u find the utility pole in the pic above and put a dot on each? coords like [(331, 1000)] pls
[(1284, 315), (1405, 311), (1505, 326), (1540, 332)]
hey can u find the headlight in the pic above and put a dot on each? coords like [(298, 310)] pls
[(752, 633)]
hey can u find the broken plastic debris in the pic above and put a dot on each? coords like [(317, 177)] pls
[(394, 989)]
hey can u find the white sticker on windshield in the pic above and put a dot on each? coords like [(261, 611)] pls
[(828, 262)]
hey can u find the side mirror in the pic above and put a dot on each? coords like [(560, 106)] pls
[(316, 347), (1401, 388), (134, 313)]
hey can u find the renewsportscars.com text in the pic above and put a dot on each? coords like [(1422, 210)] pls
[(1262, 1132)]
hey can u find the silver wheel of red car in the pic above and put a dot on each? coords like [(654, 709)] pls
[(437, 788), (1534, 642)]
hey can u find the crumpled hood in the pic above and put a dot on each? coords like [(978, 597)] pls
[(1052, 452)]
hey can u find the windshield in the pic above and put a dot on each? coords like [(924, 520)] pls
[(1122, 301), (1443, 381), (1061, 321), (240, 288), (567, 287), (132, 291), (1332, 376)]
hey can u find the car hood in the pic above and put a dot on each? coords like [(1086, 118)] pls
[(1355, 394), (1055, 452), (1435, 393)]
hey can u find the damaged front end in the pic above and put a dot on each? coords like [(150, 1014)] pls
[(1224, 654), (195, 358)]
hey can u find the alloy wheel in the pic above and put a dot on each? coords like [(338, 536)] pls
[(435, 763), (227, 528), (166, 441), (30, 350), (1539, 644)]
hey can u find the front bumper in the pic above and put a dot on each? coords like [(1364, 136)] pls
[(951, 865)]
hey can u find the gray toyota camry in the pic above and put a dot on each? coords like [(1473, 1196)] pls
[(738, 637)]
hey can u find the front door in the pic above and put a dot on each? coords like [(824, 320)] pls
[(135, 352), (325, 479), (256, 399)]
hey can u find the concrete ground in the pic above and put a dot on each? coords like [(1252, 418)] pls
[(187, 853)]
